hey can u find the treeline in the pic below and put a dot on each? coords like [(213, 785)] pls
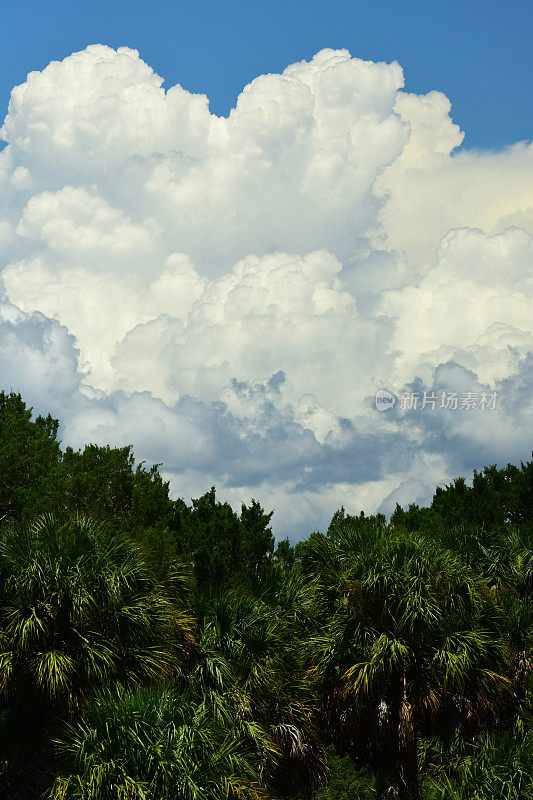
[(156, 650)]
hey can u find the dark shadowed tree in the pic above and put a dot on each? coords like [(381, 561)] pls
[(79, 610), (414, 632), (223, 545), (29, 459), (105, 483)]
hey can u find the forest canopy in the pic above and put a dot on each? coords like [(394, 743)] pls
[(152, 648)]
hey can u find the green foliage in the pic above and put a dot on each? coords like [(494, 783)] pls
[(78, 610), (99, 481), (257, 539), (29, 458), (285, 553), (153, 649), (224, 546), (150, 745), (496, 497), (412, 628), (348, 782), (484, 769), (105, 483)]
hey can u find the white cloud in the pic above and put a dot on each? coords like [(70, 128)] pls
[(430, 190), (229, 293), (475, 306)]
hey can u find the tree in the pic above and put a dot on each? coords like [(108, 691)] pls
[(29, 459), (412, 629), (249, 655), (224, 547), (103, 482), (99, 481), (405, 647), (78, 610), (496, 498), (257, 537), (284, 553)]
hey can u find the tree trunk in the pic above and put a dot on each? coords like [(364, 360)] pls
[(408, 783)]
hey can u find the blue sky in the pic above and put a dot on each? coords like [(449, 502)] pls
[(478, 53)]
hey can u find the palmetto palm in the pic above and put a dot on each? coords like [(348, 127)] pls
[(504, 557), (249, 649), (149, 745), (78, 609), (411, 628)]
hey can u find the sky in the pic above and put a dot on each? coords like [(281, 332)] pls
[(285, 250), (477, 52)]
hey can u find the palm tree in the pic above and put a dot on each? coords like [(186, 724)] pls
[(148, 745), (411, 628), (503, 556), (248, 652), (78, 610)]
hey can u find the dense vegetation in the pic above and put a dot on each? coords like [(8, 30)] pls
[(154, 650)]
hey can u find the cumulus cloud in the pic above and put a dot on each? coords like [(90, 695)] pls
[(228, 293), (475, 305)]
